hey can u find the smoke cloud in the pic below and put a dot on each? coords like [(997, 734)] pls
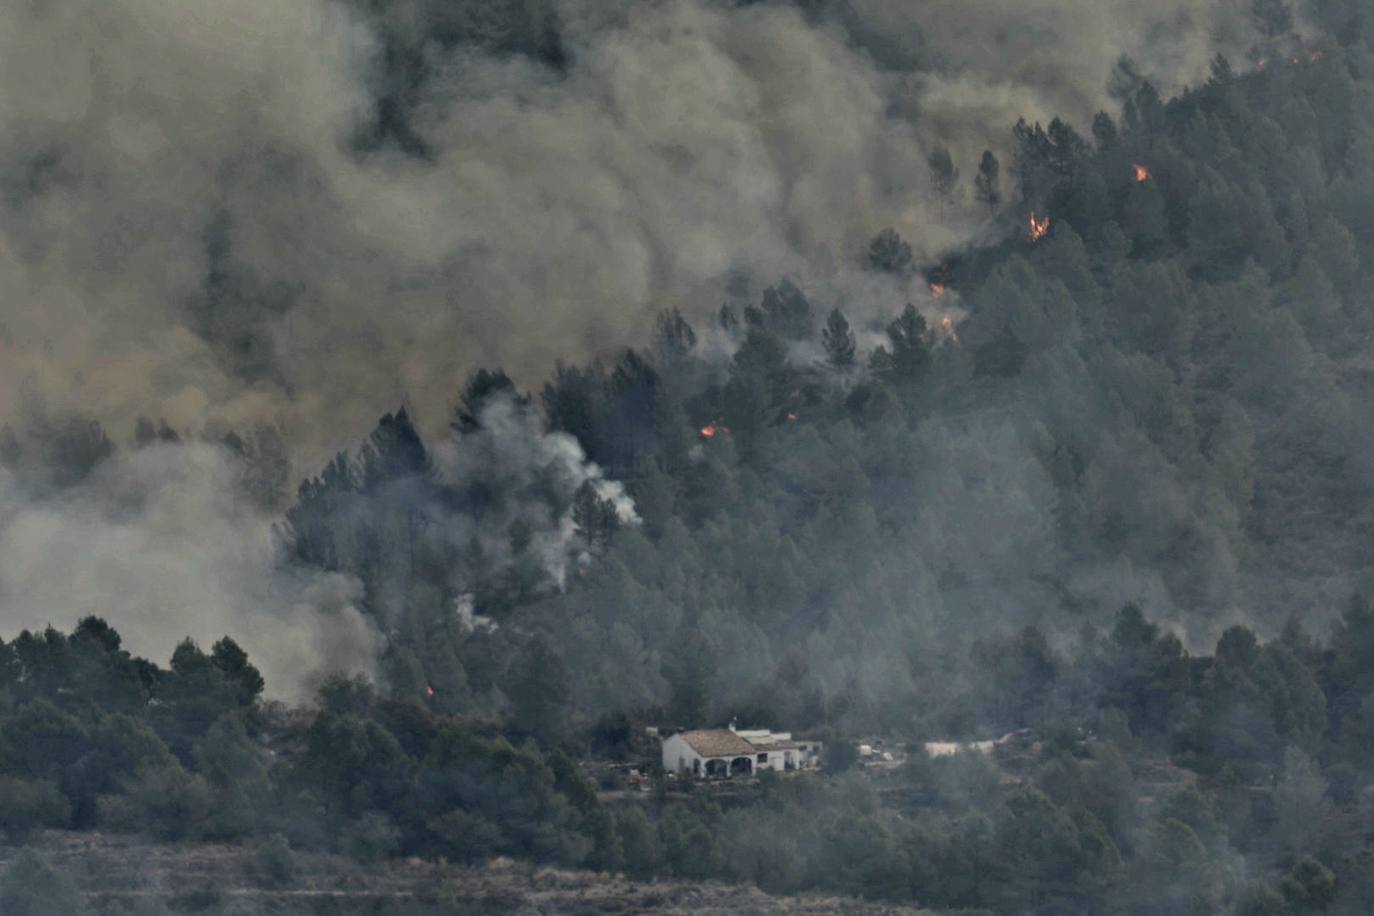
[(161, 543), (190, 229)]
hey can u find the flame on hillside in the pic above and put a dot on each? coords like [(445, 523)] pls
[(713, 429), (1142, 174), (1291, 49), (947, 331), (938, 278), (1038, 227)]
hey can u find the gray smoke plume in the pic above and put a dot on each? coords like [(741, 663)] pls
[(190, 228), (190, 231), (162, 544)]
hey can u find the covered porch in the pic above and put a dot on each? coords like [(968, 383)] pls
[(725, 767)]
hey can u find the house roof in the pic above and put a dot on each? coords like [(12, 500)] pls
[(718, 742)]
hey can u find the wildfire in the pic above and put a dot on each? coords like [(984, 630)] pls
[(938, 279), (1038, 227), (711, 430), (947, 329), (429, 691), (791, 417), (1142, 174)]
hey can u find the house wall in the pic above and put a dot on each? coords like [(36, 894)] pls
[(776, 760), (678, 755)]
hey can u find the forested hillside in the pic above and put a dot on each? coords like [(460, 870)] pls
[(1108, 477), (1163, 401)]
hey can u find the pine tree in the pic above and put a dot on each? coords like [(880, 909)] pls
[(393, 451), (673, 337), (944, 177), (594, 516), (907, 355), (987, 185), (482, 387), (838, 340), (889, 254)]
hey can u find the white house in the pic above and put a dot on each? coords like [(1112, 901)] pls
[(735, 752)]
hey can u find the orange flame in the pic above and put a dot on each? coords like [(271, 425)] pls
[(429, 691), (937, 289), (791, 417), (1142, 174), (947, 329), (710, 430), (1038, 227)]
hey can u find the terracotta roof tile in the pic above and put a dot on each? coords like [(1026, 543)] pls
[(718, 742)]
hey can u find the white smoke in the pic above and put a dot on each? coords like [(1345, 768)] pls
[(161, 544), (537, 474)]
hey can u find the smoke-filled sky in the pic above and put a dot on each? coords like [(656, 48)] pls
[(160, 543), (188, 228), (191, 228)]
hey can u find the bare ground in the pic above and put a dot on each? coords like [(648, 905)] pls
[(121, 874)]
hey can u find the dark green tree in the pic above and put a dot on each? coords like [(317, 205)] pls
[(838, 341), (987, 184), (673, 337), (944, 176), (906, 358), (392, 452), (481, 388), (1309, 887), (888, 253), (539, 690), (594, 515)]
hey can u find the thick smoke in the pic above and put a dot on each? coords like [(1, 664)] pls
[(190, 227), (162, 544), (164, 541), (983, 64), (191, 231)]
